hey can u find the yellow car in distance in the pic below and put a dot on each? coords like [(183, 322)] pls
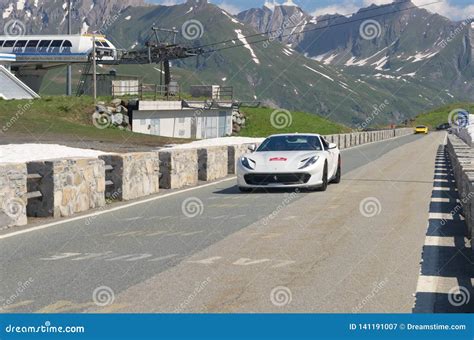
[(421, 129)]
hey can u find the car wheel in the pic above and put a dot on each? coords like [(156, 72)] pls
[(244, 189), (324, 186), (337, 178)]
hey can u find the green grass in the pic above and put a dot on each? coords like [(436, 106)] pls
[(61, 118), (259, 123), (440, 115)]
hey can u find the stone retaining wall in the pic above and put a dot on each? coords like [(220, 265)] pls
[(68, 186), (13, 195), (213, 163), (178, 168), (462, 161), (76, 185), (133, 175)]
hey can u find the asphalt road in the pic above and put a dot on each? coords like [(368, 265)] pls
[(354, 248)]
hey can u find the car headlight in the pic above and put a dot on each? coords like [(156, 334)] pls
[(248, 163), (308, 161)]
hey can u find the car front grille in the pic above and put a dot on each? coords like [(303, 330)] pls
[(279, 178)]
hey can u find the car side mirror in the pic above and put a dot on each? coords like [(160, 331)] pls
[(332, 146), (252, 147)]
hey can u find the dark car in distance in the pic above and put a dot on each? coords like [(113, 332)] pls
[(443, 126)]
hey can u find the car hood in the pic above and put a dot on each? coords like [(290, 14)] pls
[(280, 161)]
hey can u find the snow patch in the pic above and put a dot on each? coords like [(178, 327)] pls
[(128, 18), (380, 63), (7, 11), (20, 153), (422, 56), (230, 17), (20, 5), (242, 38), (322, 74), (85, 27)]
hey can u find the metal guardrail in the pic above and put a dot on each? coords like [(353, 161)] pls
[(153, 91), (32, 183)]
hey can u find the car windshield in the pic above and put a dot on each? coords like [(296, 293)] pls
[(420, 127), (291, 143)]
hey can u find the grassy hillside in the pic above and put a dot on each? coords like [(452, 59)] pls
[(440, 115), (66, 120), (259, 123)]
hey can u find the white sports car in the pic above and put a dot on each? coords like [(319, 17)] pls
[(290, 161)]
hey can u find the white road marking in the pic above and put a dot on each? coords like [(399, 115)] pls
[(210, 260), (102, 212), (237, 217), (442, 241), (130, 257), (88, 256), (441, 189), (437, 284), (60, 256), (163, 258), (132, 218), (440, 216), (248, 262), (440, 200), (139, 257), (283, 263)]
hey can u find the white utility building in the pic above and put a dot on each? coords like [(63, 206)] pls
[(183, 119)]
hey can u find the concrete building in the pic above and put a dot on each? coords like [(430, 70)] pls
[(183, 119)]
